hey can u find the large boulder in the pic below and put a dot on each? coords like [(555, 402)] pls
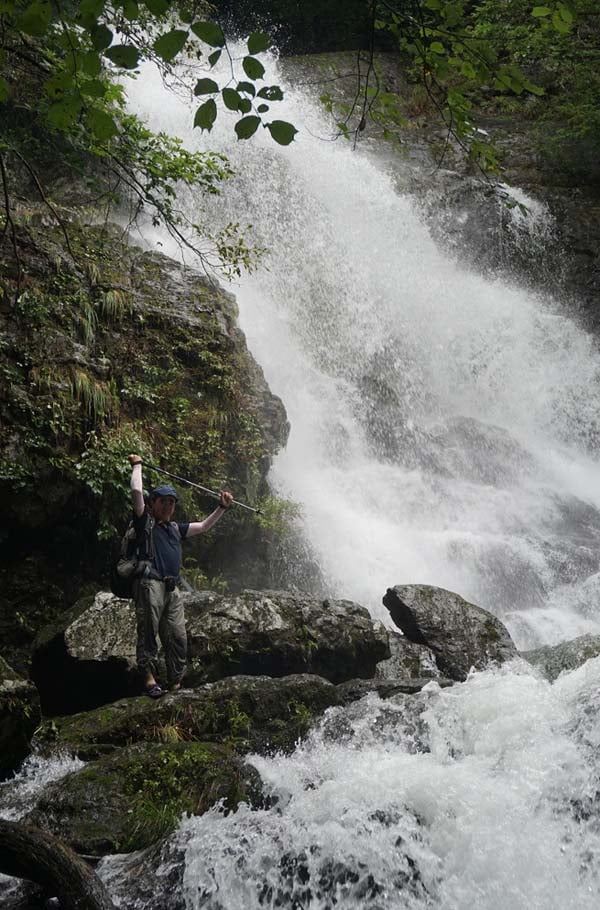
[(276, 633), (19, 717), (460, 634), (253, 713), (87, 659), (129, 799), (568, 655)]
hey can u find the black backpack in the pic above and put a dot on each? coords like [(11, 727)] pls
[(130, 557)]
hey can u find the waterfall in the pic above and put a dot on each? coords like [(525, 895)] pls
[(444, 431), (443, 424)]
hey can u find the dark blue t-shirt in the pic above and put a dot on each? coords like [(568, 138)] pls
[(166, 540)]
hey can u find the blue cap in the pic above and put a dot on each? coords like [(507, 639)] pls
[(165, 490)]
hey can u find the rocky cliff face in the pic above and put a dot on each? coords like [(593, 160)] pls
[(108, 349)]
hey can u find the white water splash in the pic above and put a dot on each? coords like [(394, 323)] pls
[(19, 793), (483, 795)]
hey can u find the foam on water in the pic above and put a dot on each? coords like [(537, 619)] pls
[(481, 795)]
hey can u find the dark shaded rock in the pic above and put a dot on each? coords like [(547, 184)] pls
[(250, 713), (460, 634), (19, 717), (129, 799), (87, 659), (568, 655), (385, 688), (306, 27), (408, 660)]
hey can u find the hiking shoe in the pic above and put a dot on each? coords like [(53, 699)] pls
[(154, 691)]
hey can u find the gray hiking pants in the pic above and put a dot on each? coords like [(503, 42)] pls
[(160, 613)]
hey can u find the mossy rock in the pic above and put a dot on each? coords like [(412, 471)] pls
[(129, 799), (553, 660), (256, 714), (19, 717)]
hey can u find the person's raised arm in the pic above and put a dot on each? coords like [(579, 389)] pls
[(137, 489), (197, 527)]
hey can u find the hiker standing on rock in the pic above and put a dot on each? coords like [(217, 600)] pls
[(158, 606)]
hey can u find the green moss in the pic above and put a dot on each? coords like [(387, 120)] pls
[(164, 786), (491, 631)]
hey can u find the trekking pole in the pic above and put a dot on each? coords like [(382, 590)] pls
[(198, 486)]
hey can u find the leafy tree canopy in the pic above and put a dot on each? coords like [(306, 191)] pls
[(62, 66)]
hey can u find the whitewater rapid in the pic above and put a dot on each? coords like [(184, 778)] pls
[(443, 424)]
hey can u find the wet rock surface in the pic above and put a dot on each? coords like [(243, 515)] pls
[(408, 660), (461, 635), (278, 633), (256, 714), (19, 717), (568, 655)]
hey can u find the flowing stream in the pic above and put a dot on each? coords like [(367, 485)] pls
[(443, 431)]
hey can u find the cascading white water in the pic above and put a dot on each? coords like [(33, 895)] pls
[(483, 795), (443, 424)]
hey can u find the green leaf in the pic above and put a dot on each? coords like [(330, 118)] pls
[(101, 37), (4, 89), (214, 57), (206, 87), (262, 108), (534, 89), (245, 106), (246, 87), (247, 127), (540, 11), (59, 84), (124, 55), (253, 68), (90, 63), (170, 44), (231, 99), (281, 131), (36, 19), (258, 42), (131, 10), (101, 124), (210, 33), (562, 27), (206, 115), (88, 11), (565, 13), (271, 93), (157, 7), (64, 113), (436, 47), (94, 88)]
